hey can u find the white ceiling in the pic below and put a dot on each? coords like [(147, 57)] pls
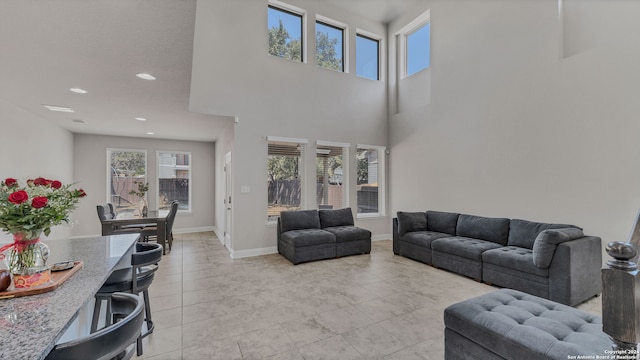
[(48, 47)]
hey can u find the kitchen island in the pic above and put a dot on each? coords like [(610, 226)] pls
[(31, 325)]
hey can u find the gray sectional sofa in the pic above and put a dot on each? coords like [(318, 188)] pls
[(309, 235), (553, 261)]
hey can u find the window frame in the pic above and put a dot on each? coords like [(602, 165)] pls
[(344, 28), (345, 168), (382, 151), (301, 173), (158, 165), (402, 37), (296, 11), (379, 40), (108, 175)]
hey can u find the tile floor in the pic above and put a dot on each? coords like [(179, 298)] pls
[(378, 306)]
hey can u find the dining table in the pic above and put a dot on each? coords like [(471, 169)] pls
[(154, 218), (31, 325)]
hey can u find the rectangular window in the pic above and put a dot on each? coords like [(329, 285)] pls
[(331, 173), (418, 49), (174, 179), (285, 174), (370, 184), (329, 46), (285, 33), (126, 169), (367, 57), (414, 45)]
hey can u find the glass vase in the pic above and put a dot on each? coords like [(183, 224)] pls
[(144, 207), (27, 260)]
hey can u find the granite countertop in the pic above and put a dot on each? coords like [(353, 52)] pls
[(31, 325)]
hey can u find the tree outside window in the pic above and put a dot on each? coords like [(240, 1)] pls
[(126, 168), (285, 34)]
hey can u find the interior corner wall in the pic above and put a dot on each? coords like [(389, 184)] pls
[(233, 74), (90, 159), (31, 147), (514, 128)]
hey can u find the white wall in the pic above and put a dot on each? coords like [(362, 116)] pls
[(31, 147), (234, 75), (90, 159), (517, 128)]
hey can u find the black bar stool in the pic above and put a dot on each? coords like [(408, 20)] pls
[(112, 341), (135, 280)]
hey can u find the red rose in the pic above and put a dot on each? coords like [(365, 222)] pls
[(40, 181), (10, 182), (81, 193), (30, 182), (56, 184), (39, 202), (18, 197)]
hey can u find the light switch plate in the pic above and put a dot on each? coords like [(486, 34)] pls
[(245, 189)]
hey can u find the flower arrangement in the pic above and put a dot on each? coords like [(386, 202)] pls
[(36, 206)]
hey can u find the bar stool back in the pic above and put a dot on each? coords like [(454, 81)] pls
[(112, 341), (135, 280)]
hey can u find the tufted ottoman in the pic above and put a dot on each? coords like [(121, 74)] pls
[(509, 324)]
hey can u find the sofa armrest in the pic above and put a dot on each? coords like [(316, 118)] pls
[(574, 272), (396, 249)]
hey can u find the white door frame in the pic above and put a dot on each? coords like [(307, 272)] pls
[(228, 190)]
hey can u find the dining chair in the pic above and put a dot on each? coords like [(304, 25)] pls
[(112, 342), (135, 279), (170, 220), (150, 233), (107, 212)]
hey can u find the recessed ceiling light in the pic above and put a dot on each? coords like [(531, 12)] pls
[(141, 119), (78, 121), (78, 90), (149, 133), (59, 108), (145, 76)]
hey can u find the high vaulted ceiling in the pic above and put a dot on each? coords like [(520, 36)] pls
[(50, 46)]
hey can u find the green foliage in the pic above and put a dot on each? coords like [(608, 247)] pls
[(333, 162), (281, 44), (282, 167), (326, 52), (142, 189), (128, 163)]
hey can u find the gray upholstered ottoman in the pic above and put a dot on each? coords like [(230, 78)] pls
[(509, 324)]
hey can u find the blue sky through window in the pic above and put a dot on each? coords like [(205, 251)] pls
[(418, 49), (291, 22), (367, 58)]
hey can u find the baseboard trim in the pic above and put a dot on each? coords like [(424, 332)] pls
[(219, 234), (239, 254), (194, 230), (381, 237)]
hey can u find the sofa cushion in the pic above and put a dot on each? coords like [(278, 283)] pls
[(464, 247), (340, 217), (491, 229), (411, 221), (444, 222), (307, 237), (547, 241), (299, 219), (523, 233), (422, 238), (515, 325), (513, 257), (349, 233)]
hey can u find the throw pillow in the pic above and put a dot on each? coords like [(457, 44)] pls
[(411, 221), (547, 241)]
